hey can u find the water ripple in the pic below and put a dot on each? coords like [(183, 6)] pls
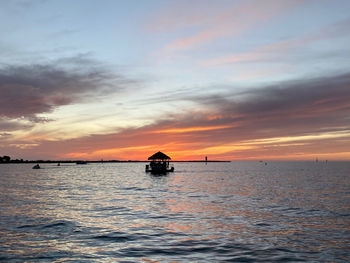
[(219, 212)]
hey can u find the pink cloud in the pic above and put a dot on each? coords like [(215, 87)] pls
[(231, 23), (267, 51), (179, 14)]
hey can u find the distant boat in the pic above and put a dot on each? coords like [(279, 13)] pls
[(37, 166), (159, 164), (81, 162)]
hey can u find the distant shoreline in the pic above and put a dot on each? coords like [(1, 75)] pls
[(110, 161)]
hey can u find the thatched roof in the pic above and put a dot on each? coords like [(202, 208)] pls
[(159, 156)]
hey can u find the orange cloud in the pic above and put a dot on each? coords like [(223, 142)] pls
[(192, 129), (292, 120)]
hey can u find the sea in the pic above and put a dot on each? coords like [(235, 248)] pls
[(247, 211)]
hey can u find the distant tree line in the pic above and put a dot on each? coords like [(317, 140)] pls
[(7, 159)]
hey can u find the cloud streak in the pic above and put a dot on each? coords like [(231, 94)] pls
[(29, 90), (295, 119), (287, 109), (9, 125), (233, 22), (278, 49)]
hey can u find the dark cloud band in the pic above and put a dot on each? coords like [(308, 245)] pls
[(29, 90)]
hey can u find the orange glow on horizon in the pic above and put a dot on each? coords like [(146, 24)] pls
[(269, 149), (192, 129)]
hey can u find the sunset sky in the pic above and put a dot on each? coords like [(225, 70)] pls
[(120, 79)]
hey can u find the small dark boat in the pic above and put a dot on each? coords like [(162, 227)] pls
[(37, 166), (159, 164), (81, 162)]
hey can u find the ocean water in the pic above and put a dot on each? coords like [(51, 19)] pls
[(219, 212)]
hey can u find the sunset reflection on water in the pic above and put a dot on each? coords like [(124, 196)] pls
[(206, 213)]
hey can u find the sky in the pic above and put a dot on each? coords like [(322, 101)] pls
[(121, 79)]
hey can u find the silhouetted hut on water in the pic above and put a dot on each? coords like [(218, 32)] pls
[(159, 164)]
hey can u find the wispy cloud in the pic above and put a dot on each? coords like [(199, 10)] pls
[(10, 125), (176, 15), (232, 23), (29, 90), (278, 49)]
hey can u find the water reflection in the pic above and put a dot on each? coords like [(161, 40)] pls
[(218, 212)]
